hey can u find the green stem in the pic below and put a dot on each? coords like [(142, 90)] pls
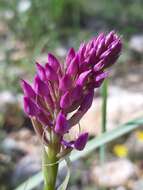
[(102, 150), (104, 118), (50, 168)]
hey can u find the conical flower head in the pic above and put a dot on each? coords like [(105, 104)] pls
[(63, 93)]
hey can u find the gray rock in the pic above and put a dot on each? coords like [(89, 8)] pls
[(135, 145), (136, 43), (138, 185), (121, 188), (25, 168), (114, 173), (6, 97), (10, 147)]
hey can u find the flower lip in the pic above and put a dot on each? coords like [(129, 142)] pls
[(81, 141)]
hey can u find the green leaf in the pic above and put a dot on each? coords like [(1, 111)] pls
[(64, 185), (91, 146)]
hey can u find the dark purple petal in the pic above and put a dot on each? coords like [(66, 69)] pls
[(66, 100), (44, 118), (30, 108), (73, 67), (81, 52), (51, 74), (87, 101), (41, 88), (81, 141), (99, 66), (101, 47), (70, 56), (98, 40), (40, 101), (62, 125), (105, 54), (109, 38), (76, 93), (116, 46), (53, 62), (84, 66), (89, 45), (100, 78), (41, 71), (82, 79), (65, 83), (85, 105), (28, 90)]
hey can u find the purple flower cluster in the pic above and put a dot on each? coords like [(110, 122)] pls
[(59, 89)]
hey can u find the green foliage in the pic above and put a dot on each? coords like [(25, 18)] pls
[(124, 15), (57, 19), (43, 18), (50, 18)]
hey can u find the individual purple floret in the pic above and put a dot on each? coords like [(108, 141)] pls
[(59, 89)]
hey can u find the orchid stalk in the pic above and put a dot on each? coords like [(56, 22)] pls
[(62, 93)]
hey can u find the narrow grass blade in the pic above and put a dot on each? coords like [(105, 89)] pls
[(64, 185)]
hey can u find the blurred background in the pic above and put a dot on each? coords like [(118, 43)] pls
[(29, 29)]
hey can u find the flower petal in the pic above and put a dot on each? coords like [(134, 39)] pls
[(61, 126), (81, 141)]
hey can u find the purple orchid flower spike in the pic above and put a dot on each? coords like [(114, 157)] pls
[(63, 93), (60, 89)]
